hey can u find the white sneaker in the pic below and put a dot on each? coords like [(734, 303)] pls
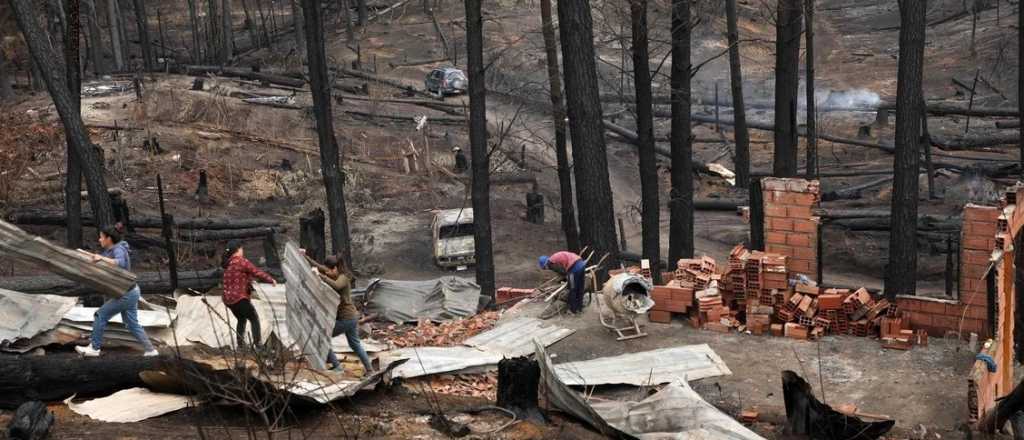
[(87, 351), (151, 353)]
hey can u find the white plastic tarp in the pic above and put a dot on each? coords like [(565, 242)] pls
[(147, 318), (439, 299)]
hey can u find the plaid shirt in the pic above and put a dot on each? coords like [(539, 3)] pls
[(238, 279)]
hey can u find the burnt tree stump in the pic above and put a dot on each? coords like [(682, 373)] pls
[(535, 208), (202, 193), (518, 381), (197, 84), (311, 235), (31, 421)]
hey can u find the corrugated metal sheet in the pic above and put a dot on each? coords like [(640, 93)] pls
[(666, 365), (23, 316), (424, 361), (514, 338), (147, 318), (131, 405), (438, 299), (568, 400), (312, 307), (675, 412)]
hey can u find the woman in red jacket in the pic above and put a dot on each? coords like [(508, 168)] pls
[(238, 275)]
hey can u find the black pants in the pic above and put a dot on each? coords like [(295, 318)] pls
[(245, 312)]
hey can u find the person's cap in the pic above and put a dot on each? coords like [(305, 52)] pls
[(543, 261), (456, 149)]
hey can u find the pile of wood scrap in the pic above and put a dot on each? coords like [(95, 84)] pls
[(471, 385)]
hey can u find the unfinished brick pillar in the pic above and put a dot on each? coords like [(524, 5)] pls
[(977, 241), (790, 226)]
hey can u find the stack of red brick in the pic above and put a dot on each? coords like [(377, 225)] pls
[(753, 293)]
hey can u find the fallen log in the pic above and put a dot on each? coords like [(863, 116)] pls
[(150, 282), (56, 218), (854, 192), (975, 142), (1008, 124), (924, 224), (631, 137), (951, 109), (446, 120), (356, 87), (413, 101), (414, 63), (806, 415), (31, 421), (386, 81), (236, 72), (56, 377), (226, 234)]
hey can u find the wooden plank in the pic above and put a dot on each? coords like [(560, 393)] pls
[(312, 307), (105, 278)]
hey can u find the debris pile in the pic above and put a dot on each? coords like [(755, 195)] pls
[(756, 293), (429, 333)]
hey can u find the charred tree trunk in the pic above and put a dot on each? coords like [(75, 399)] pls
[(227, 45), (250, 26), (572, 237), (73, 182), (319, 85), (50, 69), (742, 135), (1020, 85), (6, 92), (363, 14), (95, 39), (593, 190), (787, 79), (299, 21), (212, 32), (56, 377), (478, 148), (901, 278), (651, 209), (346, 15), (680, 238), (518, 384), (114, 14), (311, 234), (145, 44), (193, 19), (812, 123)]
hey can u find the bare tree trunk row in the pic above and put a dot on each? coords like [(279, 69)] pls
[(480, 165), (572, 238), (787, 80), (742, 135), (73, 182), (680, 242), (51, 68), (901, 277), (812, 131), (142, 21), (650, 208)]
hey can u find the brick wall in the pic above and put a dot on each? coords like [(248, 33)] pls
[(938, 316), (977, 241), (790, 227)]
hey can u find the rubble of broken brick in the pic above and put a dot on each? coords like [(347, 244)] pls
[(758, 293)]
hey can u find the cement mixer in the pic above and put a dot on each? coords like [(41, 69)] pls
[(625, 296)]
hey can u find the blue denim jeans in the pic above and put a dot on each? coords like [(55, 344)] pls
[(128, 306), (350, 327), (577, 279)]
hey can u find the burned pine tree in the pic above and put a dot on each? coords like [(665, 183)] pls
[(95, 39), (572, 237), (812, 131), (227, 37), (590, 160), (1020, 85), (742, 135), (901, 277), (320, 86), (787, 79), (300, 33), (73, 79), (680, 238), (142, 21), (114, 18), (51, 68), (480, 165), (651, 209)]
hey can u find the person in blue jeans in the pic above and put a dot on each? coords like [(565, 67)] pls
[(116, 252), (574, 269), (336, 274)]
